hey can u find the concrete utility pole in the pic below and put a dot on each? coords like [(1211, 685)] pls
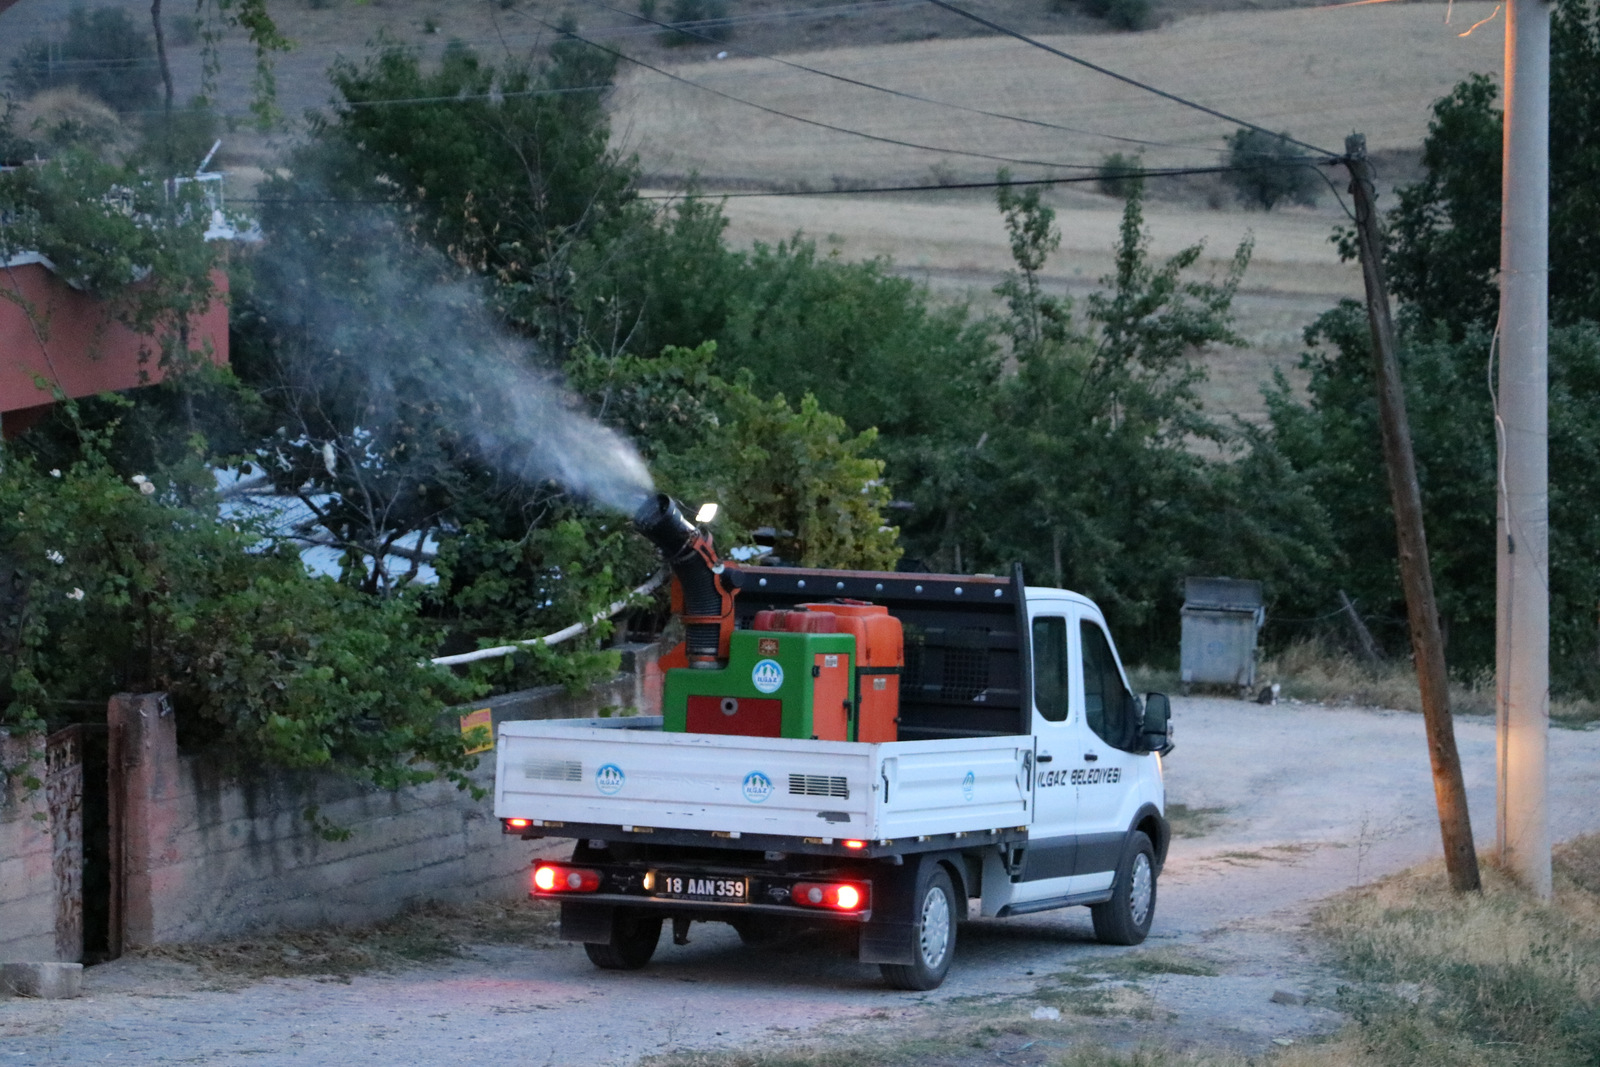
[(1416, 575), (1522, 652)]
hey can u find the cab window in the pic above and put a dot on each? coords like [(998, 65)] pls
[(1050, 667), (1108, 707)]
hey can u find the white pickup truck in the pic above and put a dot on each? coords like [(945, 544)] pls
[(1027, 777)]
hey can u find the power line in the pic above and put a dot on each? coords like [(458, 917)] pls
[(1119, 175), (1174, 97), (1162, 172), (815, 122), (686, 28)]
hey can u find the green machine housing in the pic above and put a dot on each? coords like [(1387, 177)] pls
[(776, 684)]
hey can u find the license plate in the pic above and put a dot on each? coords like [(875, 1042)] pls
[(686, 885)]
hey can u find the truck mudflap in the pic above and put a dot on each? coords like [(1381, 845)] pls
[(891, 934)]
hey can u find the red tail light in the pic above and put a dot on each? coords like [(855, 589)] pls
[(837, 896), (516, 824), (853, 844), (557, 878)]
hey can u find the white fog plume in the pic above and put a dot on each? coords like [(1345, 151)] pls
[(392, 327)]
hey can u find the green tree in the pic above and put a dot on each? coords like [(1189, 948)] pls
[(116, 587), (103, 52), (802, 471), (1269, 169), (1443, 254), (1099, 469), (1119, 173), (1444, 234), (510, 171)]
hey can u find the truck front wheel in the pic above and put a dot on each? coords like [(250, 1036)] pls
[(1125, 919), (633, 941), (933, 938)]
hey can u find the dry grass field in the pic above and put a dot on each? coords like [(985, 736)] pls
[(1317, 72)]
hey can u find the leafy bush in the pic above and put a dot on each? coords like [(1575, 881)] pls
[(694, 14), (1129, 15), (1269, 170), (107, 227), (1119, 175), (104, 53), (176, 142), (118, 589), (801, 471)]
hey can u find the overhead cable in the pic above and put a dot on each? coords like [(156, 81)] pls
[(1136, 83), (1118, 175), (687, 28), (815, 122)]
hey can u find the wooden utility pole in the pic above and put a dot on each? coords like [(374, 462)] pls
[(1416, 575)]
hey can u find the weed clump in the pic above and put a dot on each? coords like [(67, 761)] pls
[(1490, 977)]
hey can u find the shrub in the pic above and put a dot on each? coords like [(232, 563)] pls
[(1123, 14), (104, 53), (1131, 15), (694, 13), (117, 588), (1270, 170), (1119, 175)]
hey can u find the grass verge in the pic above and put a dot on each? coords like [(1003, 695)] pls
[(1480, 980), (427, 933), (1310, 671)]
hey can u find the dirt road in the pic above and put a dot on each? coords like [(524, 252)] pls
[(1310, 800)]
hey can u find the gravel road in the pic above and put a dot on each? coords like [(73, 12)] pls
[(1313, 799)]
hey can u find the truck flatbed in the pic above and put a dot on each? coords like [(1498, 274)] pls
[(627, 776)]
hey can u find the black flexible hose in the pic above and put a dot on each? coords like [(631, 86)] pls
[(662, 521)]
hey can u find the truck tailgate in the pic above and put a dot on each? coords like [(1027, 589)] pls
[(758, 785)]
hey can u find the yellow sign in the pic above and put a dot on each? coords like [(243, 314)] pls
[(478, 728)]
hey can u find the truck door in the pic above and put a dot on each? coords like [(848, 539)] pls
[(1052, 843), (1104, 771)]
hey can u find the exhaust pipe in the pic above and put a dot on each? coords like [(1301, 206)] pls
[(707, 606)]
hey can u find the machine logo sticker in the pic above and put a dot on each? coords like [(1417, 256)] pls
[(967, 785), (767, 676), (757, 787), (767, 646), (609, 779)]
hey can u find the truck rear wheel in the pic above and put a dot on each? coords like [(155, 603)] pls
[(1125, 919), (634, 935), (933, 937)]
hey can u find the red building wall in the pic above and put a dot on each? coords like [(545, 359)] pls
[(84, 349)]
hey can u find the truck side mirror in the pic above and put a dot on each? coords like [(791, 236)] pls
[(1157, 729)]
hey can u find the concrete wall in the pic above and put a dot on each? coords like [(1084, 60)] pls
[(27, 883), (223, 857), (200, 853)]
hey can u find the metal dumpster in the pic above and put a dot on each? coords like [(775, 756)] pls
[(1221, 617)]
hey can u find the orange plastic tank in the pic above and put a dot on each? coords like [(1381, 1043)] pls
[(881, 654)]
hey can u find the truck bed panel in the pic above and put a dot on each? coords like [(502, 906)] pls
[(754, 785)]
